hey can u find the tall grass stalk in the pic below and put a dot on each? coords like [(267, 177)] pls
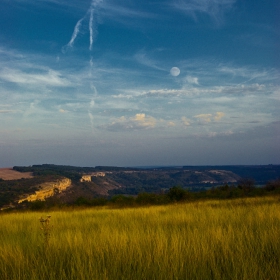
[(235, 239)]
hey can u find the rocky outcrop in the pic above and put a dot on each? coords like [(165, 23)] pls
[(85, 178), (98, 174), (48, 189)]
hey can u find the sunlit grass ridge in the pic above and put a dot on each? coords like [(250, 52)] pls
[(234, 239)]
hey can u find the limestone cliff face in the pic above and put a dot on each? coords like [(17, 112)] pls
[(48, 189), (85, 178)]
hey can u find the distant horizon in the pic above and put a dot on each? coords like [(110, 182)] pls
[(144, 166)]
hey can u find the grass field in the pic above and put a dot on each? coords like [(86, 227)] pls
[(10, 174), (227, 239)]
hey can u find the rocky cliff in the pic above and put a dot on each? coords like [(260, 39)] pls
[(48, 189)]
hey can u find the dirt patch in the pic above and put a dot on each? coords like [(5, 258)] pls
[(10, 174)]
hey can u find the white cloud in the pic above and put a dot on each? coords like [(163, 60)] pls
[(218, 91), (6, 111), (192, 80), (167, 92), (186, 121), (218, 116), (139, 121), (207, 118), (143, 120), (92, 102), (50, 89), (46, 77), (171, 124)]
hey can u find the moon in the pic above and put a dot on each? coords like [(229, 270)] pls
[(175, 71)]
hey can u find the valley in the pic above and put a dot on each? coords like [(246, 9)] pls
[(43, 182)]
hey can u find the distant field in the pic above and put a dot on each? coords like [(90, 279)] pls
[(10, 174), (222, 240)]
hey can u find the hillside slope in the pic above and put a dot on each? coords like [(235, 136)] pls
[(122, 180)]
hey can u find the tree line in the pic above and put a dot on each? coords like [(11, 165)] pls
[(176, 194)]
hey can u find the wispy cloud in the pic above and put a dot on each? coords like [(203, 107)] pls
[(142, 58), (120, 11), (249, 72), (6, 111), (47, 77), (276, 94), (185, 121), (54, 4), (144, 121), (139, 121), (44, 91), (219, 116), (207, 118), (63, 111), (125, 12), (192, 80), (213, 8), (171, 124), (91, 118), (199, 91)]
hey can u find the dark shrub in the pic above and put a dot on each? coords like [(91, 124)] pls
[(98, 201), (272, 185), (122, 200), (37, 205), (82, 201), (151, 199), (246, 184), (177, 193)]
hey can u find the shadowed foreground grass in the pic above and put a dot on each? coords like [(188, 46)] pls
[(234, 239)]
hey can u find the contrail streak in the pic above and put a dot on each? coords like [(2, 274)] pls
[(75, 33), (92, 104), (91, 23), (94, 89), (91, 29), (90, 62), (91, 120)]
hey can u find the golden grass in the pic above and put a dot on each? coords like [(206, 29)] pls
[(10, 174), (235, 239)]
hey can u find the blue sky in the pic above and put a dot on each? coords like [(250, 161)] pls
[(90, 82)]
